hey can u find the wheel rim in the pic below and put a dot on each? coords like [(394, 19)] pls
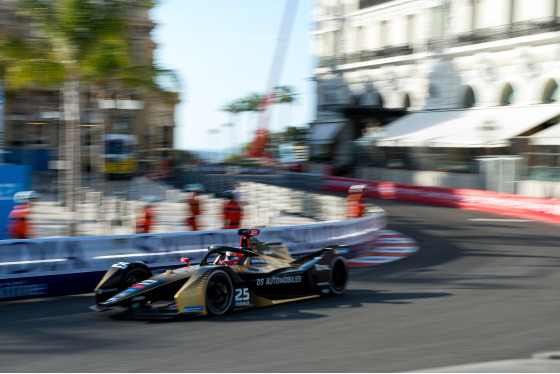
[(218, 293)]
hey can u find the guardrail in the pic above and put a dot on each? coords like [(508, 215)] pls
[(534, 208)]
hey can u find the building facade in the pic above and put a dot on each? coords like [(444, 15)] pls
[(423, 56)]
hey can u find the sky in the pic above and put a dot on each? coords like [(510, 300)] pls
[(222, 51)]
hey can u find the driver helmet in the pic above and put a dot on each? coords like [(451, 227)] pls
[(233, 256)]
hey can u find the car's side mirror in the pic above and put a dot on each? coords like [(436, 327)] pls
[(186, 260)]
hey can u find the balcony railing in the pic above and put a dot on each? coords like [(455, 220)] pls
[(514, 30), (366, 55)]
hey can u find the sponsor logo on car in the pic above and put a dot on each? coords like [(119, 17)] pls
[(319, 267), (272, 281), (121, 265), (258, 261), (255, 270), (198, 308), (148, 282), (105, 290)]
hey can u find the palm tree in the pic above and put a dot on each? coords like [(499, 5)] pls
[(252, 103), (285, 95), (79, 42)]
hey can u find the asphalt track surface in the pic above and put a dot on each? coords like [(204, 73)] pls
[(476, 291)]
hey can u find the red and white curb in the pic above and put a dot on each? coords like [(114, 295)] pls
[(390, 246)]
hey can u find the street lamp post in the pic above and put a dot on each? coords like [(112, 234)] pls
[(72, 152), (232, 139)]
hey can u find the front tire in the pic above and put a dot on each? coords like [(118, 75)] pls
[(132, 277), (218, 293), (118, 278)]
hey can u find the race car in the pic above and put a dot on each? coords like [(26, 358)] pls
[(255, 275)]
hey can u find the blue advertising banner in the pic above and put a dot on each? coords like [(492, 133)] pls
[(38, 159), (2, 151), (13, 178)]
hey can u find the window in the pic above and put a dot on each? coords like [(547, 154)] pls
[(383, 34), (469, 99), (551, 93), (437, 22), (410, 29), (360, 39), (508, 96), (336, 43), (406, 101)]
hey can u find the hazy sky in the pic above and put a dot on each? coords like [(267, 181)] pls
[(222, 51)]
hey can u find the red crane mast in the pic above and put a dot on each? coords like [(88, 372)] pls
[(259, 144)]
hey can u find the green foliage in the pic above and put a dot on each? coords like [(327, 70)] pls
[(253, 102), (76, 27), (29, 64), (294, 135), (234, 107), (284, 95), (83, 39)]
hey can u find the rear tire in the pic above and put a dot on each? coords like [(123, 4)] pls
[(338, 276), (218, 293)]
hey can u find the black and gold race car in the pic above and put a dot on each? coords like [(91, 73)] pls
[(227, 279)]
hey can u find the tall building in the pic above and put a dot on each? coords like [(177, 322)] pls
[(33, 124), (462, 77)]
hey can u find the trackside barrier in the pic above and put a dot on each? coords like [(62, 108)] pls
[(536, 208), (275, 199), (62, 266)]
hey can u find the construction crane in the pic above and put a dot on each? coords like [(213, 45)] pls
[(260, 141)]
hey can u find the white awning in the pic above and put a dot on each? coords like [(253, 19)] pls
[(486, 127), (324, 132), (550, 136)]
